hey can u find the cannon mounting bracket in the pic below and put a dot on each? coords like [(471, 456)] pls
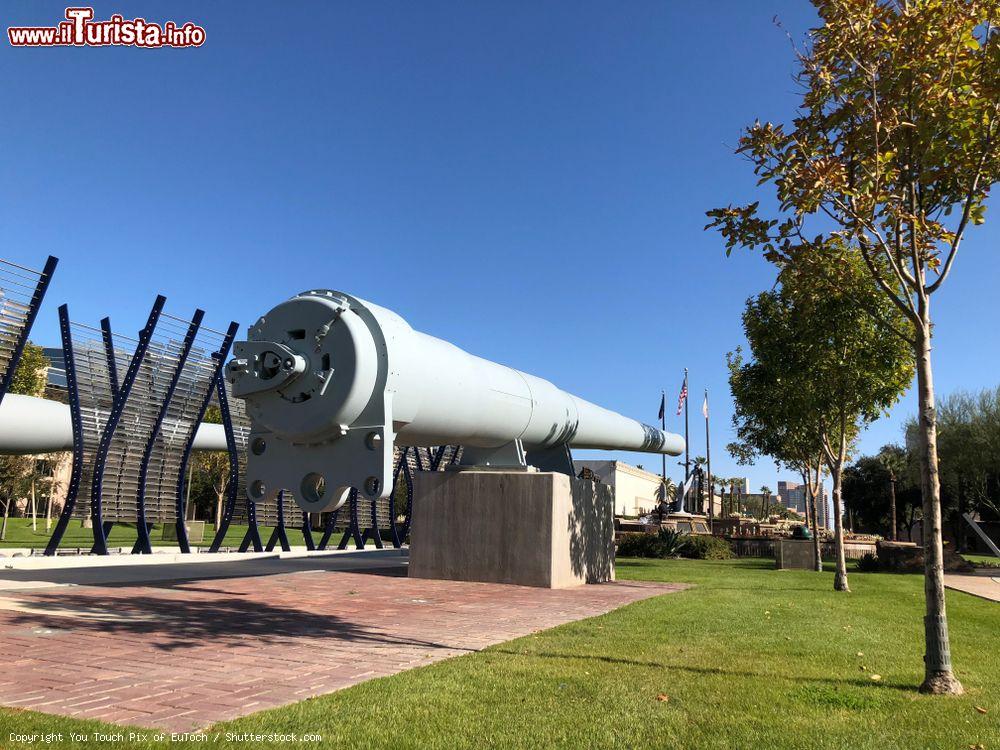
[(320, 475), (508, 456)]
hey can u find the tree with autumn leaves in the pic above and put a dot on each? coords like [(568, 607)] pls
[(890, 157)]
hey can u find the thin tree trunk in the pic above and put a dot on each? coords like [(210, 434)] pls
[(892, 509), (6, 514), (34, 508), (187, 494), (938, 675), (218, 510), (840, 578), (811, 518)]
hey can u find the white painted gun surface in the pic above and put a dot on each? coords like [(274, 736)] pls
[(30, 425), (332, 382)]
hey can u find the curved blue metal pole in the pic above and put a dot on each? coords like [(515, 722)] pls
[(107, 337), (109, 354), (142, 543), (405, 531), (280, 534), (328, 528), (354, 528), (180, 501), (307, 532), (75, 419), (436, 460), (397, 542), (232, 488), (118, 406)]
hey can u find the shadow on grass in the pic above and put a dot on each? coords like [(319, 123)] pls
[(704, 671)]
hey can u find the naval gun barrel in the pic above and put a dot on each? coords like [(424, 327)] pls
[(332, 382)]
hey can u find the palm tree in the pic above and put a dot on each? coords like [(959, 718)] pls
[(723, 483), (699, 463), (765, 501), (893, 460), (665, 493)]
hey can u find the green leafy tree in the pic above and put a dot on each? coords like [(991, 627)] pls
[(830, 366), (969, 452), (870, 493), (31, 374), (772, 416), (891, 156), (854, 366)]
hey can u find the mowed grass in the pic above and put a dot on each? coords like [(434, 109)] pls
[(986, 561), (749, 657), (20, 534)]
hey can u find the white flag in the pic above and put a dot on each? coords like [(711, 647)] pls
[(704, 407)]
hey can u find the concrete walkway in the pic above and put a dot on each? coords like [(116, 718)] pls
[(983, 585), (181, 646)]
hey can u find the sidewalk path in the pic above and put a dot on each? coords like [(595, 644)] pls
[(220, 641), (984, 586)]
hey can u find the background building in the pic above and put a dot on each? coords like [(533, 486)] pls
[(635, 488), (793, 496), (742, 485)]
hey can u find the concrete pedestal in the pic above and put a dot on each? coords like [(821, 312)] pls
[(528, 528), (794, 554)]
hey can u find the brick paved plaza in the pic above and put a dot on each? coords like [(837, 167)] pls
[(224, 640)]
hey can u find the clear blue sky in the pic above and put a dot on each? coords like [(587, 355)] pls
[(525, 179)]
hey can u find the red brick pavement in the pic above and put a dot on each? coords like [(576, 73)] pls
[(185, 655)]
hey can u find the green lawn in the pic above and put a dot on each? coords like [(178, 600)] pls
[(20, 534), (988, 561), (750, 658)]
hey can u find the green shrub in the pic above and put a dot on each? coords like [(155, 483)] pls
[(664, 543), (635, 544), (868, 563), (707, 548), (671, 542)]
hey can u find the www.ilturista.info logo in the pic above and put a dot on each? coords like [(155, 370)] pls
[(80, 30)]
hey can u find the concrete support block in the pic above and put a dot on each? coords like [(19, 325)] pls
[(794, 554), (528, 528)]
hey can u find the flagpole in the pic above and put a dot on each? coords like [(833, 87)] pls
[(708, 461), (663, 426), (687, 443)]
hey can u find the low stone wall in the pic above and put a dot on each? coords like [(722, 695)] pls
[(764, 547)]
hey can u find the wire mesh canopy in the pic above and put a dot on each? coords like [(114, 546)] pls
[(21, 292)]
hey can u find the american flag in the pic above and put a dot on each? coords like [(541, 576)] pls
[(683, 397)]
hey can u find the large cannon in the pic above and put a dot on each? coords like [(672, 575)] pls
[(332, 382)]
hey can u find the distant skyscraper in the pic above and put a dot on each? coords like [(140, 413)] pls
[(793, 496)]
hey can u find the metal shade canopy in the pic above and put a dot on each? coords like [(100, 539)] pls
[(332, 382)]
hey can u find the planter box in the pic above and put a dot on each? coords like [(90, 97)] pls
[(195, 530)]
